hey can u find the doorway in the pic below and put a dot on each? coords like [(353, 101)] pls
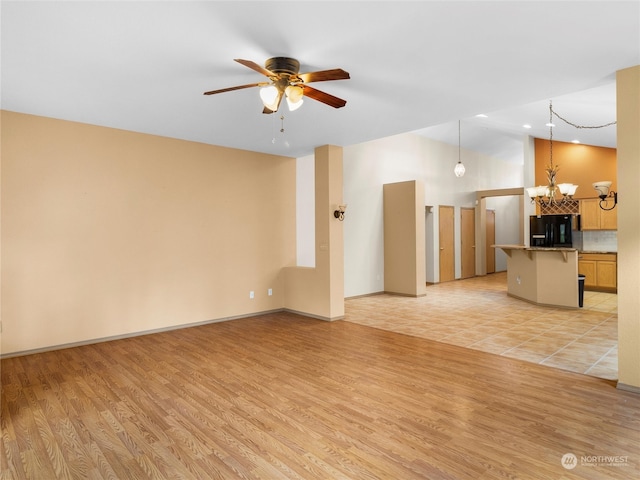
[(491, 240)]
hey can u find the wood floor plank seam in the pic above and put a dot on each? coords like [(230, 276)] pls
[(283, 396)]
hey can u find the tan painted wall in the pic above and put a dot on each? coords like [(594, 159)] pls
[(107, 232), (628, 143), (319, 291), (579, 164), (544, 277), (404, 238)]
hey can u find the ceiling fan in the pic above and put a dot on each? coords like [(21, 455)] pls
[(286, 82)]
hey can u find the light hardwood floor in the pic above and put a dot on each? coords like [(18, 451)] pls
[(286, 397), (477, 313)]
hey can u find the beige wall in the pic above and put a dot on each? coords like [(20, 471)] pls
[(542, 276), (404, 238), (579, 164), (319, 291), (107, 232), (628, 142)]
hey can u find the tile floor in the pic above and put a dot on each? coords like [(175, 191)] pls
[(477, 313)]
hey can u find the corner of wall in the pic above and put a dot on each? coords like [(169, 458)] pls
[(319, 292)]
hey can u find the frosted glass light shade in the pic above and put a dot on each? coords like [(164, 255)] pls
[(294, 95), (602, 187), (294, 105), (541, 190), (567, 188), (270, 97)]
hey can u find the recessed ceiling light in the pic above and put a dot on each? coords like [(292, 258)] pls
[(526, 125), (481, 115), (575, 141)]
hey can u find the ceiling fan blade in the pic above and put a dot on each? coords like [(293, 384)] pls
[(239, 87), (324, 75), (323, 97), (254, 66)]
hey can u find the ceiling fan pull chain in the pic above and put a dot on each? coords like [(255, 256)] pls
[(282, 124), (273, 138)]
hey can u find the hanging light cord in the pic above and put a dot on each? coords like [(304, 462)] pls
[(578, 126), (552, 112), (550, 135), (458, 141)]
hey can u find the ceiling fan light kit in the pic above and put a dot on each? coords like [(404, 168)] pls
[(286, 82), (294, 95), (270, 97)]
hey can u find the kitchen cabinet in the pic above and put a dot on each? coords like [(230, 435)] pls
[(592, 217), (600, 271)]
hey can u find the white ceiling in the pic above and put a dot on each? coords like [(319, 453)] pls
[(415, 66)]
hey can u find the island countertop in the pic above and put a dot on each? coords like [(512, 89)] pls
[(524, 247), (563, 250), (598, 252), (545, 276)]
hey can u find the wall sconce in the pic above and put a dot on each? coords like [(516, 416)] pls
[(339, 213), (604, 193)]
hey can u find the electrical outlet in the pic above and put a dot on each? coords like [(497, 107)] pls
[(251, 294), (270, 292)]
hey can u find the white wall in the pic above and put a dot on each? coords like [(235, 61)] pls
[(368, 166), (405, 157), (507, 225), (305, 212)]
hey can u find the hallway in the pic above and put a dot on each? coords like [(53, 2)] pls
[(476, 313)]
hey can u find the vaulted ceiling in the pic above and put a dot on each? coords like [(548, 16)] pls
[(415, 67)]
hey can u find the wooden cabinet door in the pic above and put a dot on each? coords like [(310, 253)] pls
[(592, 217), (588, 269), (589, 215), (600, 271), (607, 274), (609, 218)]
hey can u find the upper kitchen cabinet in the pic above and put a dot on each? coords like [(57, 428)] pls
[(592, 217)]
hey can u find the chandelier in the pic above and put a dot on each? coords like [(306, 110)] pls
[(545, 195)]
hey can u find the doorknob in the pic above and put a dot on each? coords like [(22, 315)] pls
[(441, 248)]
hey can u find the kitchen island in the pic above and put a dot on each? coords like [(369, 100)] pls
[(544, 276)]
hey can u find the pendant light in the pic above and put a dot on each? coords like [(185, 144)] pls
[(459, 168)]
